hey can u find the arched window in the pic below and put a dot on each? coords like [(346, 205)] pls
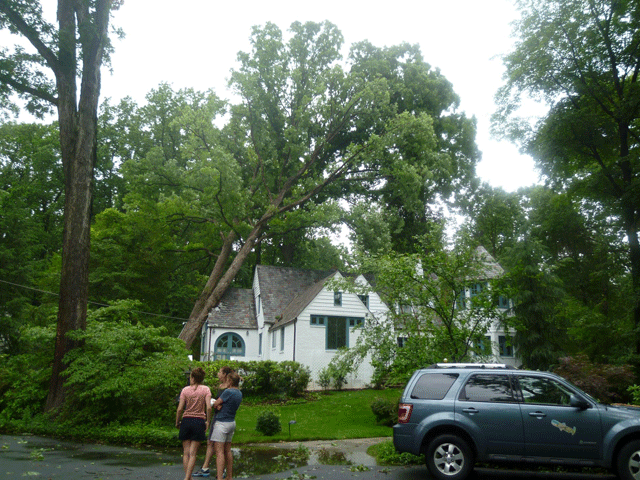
[(228, 344)]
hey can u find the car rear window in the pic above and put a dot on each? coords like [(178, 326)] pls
[(433, 386)]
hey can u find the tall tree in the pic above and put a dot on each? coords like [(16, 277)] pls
[(305, 129), (407, 198), (582, 57), (63, 71), (495, 218)]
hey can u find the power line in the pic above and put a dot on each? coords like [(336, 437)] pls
[(91, 302)]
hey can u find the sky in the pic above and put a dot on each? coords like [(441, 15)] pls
[(194, 43)]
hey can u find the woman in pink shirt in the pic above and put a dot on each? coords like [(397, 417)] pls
[(195, 402)]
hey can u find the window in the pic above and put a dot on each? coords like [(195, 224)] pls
[(337, 333), (228, 344), (337, 329), (544, 391), (337, 299), (475, 290), (483, 347), (505, 347), (282, 339), (259, 302), (487, 388), (318, 320), (402, 341), (273, 339), (405, 308), (433, 386), (461, 302), (260, 344), (364, 299), (503, 302), (355, 322)]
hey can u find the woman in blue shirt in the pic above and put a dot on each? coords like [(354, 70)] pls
[(227, 406)]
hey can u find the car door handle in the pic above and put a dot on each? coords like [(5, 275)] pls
[(470, 410), (537, 414)]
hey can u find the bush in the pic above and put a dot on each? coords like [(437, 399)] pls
[(268, 423), (263, 378), (324, 378), (607, 383), (385, 411)]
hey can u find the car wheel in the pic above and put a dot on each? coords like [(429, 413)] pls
[(628, 461), (449, 458)]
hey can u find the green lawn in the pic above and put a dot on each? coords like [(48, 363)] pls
[(334, 415)]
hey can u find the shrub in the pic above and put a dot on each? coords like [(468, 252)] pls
[(263, 378), (268, 423), (324, 378), (385, 411), (607, 383)]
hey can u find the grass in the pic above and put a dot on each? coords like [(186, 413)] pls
[(331, 416), (319, 416)]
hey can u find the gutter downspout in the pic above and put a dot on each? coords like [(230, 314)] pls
[(295, 323)]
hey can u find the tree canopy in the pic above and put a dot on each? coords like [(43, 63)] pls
[(582, 58)]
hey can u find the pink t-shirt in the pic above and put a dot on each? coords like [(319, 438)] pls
[(195, 401)]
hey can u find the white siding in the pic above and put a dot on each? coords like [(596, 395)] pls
[(311, 339)]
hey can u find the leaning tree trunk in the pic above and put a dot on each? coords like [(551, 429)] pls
[(218, 283)]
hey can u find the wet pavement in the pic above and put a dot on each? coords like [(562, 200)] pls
[(47, 458)]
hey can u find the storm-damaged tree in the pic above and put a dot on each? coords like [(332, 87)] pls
[(309, 128), (61, 70)]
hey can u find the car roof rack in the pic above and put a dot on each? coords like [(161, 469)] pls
[(473, 365)]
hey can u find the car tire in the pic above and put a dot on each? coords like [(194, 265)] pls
[(628, 461), (449, 458)]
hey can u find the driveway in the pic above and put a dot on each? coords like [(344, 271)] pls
[(45, 458)]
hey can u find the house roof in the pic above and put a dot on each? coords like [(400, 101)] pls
[(300, 301), (280, 286), (490, 268), (237, 309)]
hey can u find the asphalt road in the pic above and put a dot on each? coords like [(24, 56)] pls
[(45, 458)]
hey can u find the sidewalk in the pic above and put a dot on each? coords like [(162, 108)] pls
[(353, 450)]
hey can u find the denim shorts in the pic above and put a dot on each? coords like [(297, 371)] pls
[(223, 432)]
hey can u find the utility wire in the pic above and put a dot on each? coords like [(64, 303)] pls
[(92, 303)]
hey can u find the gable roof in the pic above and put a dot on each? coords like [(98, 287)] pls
[(279, 286), (300, 301), (237, 309), (490, 268)]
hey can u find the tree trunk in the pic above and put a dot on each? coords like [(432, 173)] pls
[(217, 284), (78, 133)]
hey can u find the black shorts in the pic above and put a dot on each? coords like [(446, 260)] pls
[(193, 429)]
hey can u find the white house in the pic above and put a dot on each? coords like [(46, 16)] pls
[(293, 314), (290, 314)]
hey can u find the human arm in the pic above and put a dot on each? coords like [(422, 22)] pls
[(208, 407), (179, 411)]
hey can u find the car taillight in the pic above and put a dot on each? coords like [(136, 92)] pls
[(404, 412)]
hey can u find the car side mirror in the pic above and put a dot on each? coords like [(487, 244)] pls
[(578, 402)]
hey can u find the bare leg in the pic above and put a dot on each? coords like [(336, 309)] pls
[(228, 456), (208, 455), (219, 446), (186, 448), (189, 458)]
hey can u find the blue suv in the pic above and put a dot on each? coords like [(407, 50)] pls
[(459, 414)]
